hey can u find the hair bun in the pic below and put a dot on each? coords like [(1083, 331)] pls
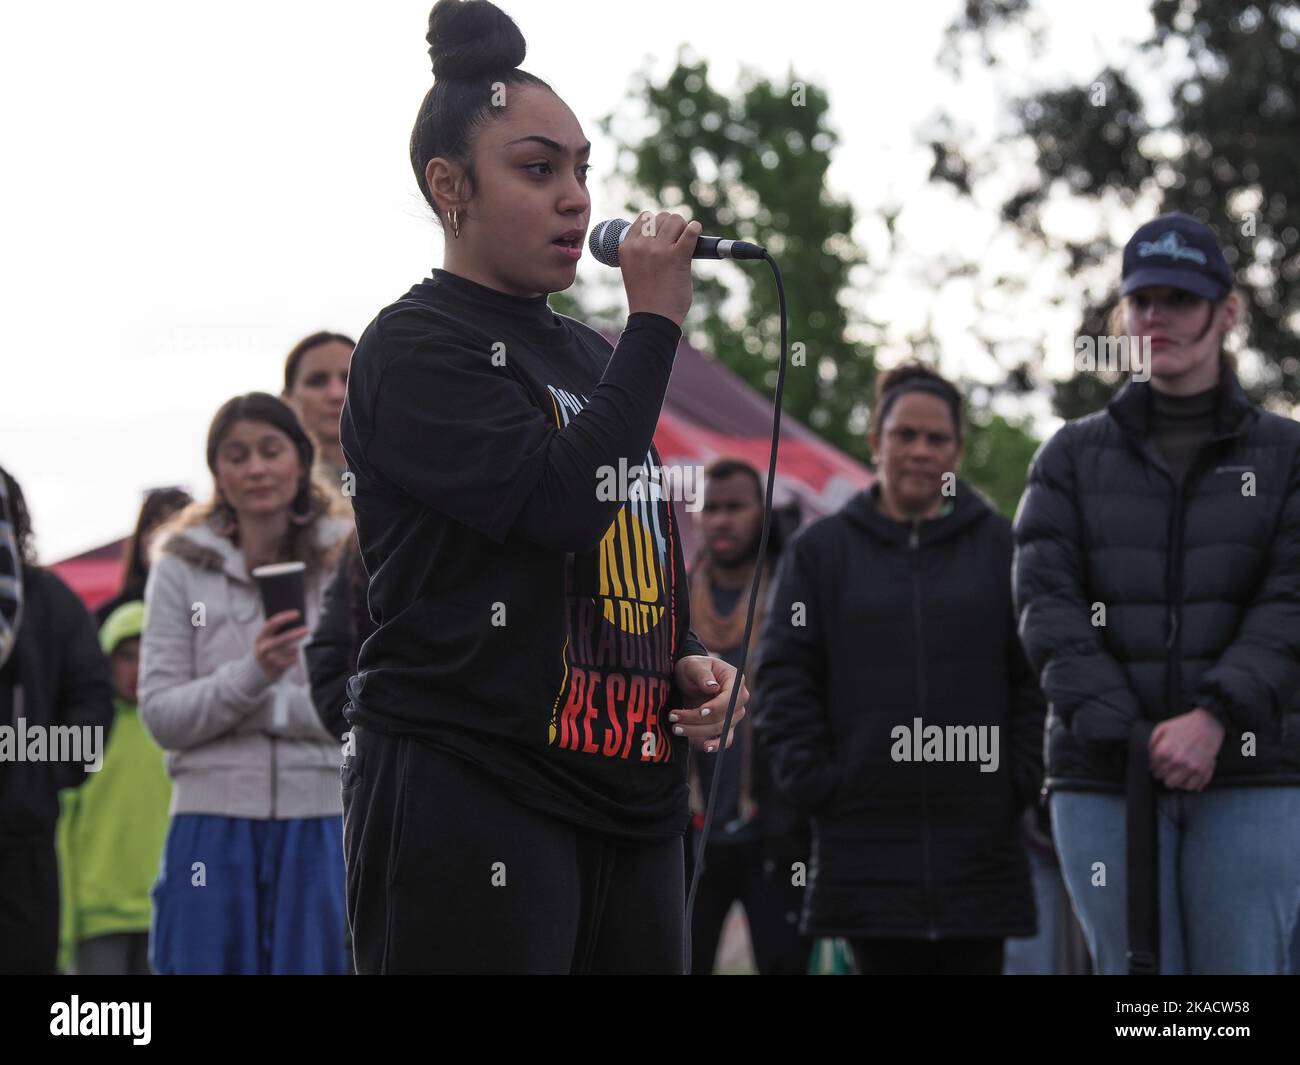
[(472, 38)]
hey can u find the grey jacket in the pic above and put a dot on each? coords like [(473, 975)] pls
[(208, 703)]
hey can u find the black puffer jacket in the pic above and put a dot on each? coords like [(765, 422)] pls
[(902, 622), (1200, 585)]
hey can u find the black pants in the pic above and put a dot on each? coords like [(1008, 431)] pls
[(924, 957), (447, 874), (29, 906), (740, 872), (117, 954)]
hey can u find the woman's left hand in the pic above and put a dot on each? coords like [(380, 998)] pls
[(1184, 749), (706, 684)]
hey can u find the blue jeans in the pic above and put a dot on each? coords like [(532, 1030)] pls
[(1036, 955), (1229, 871)]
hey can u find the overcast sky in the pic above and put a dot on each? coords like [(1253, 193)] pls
[(189, 189)]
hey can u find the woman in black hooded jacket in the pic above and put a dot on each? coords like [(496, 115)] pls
[(897, 708), (1157, 577)]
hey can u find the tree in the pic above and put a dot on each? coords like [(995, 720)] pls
[(998, 452), (1218, 141), (753, 166)]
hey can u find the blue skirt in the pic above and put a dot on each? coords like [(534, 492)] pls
[(242, 896)]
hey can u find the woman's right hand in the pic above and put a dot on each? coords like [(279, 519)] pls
[(276, 648), (655, 258)]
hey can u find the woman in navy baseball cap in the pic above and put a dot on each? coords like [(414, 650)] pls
[(1157, 578), (1176, 290)]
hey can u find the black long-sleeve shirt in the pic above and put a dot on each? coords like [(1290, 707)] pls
[(528, 622), (343, 626)]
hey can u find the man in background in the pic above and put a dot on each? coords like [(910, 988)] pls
[(755, 839)]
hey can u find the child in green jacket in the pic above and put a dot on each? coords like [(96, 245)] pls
[(112, 829)]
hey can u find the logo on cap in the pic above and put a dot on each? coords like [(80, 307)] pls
[(1172, 246)]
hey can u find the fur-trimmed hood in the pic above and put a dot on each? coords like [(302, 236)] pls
[(204, 547)]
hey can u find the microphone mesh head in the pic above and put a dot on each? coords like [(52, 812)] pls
[(605, 239)]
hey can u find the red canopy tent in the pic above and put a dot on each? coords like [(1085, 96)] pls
[(709, 413), (95, 574)]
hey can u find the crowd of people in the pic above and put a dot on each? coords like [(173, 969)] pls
[(487, 741), (210, 838)]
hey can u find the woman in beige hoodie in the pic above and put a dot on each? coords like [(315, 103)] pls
[(252, 878)]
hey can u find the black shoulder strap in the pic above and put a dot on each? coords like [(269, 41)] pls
[(1143, 868)]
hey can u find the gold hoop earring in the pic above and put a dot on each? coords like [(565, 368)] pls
[(455, 222)]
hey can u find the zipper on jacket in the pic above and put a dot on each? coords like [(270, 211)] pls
[(1174, 578), (273, 775), (1173, 597), (1174, 532), (914, 543)]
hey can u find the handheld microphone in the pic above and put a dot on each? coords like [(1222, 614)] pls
[(607, 236)]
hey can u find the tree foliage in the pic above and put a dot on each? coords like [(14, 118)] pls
[(752, 165), (1219, 140)]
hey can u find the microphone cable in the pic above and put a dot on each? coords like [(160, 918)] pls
[(759, 565)]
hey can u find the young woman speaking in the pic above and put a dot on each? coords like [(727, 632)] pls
[(517, 794)]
